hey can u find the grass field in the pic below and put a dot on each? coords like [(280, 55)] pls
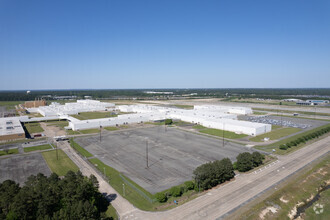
[(276, 145), (59, 124), (117, 183), (60, 166), (218, 132), (11, 151), (276, 134), (87, 131), (259, 113), (80, 149), (40, 147), (10, 104), (93, 115), (111, 213), (111, 128), (302, 187), (184, 106), (33, 127)]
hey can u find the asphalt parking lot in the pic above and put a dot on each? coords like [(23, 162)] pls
[(286, 121), (20, 167), (172, 155)]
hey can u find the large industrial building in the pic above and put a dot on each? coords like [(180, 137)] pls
[(211, 116), (11, 129)]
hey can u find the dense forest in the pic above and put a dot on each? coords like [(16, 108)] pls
[(177, 93), (72, 197)]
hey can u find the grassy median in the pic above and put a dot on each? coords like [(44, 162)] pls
[(40, 147), (276, 134), (61, 165)]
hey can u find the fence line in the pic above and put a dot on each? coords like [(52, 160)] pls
[(137, 189)]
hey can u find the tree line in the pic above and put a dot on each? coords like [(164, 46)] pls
[(305, 138), (211, 174), (42, 197), (116, 93)]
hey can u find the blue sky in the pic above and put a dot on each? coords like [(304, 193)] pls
[(109, 44)]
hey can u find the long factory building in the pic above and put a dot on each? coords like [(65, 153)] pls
[(211, 116)]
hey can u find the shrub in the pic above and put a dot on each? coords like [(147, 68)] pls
[(189, 185), (283, 147), (161, 197), (175, 191), (257, 159), (168, 121), (244, 162), (235, 165)]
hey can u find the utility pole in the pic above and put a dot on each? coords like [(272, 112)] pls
[(100, 132), (56, 150), (147, 153), (223, 135)]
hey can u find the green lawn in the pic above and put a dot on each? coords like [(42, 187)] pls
[(90, 131), (259, 113), (184, 106), (93, 115), (59, 124), (60, 166), (40, 147), (276, 145), (111, 128), (218, 132), (71, 132), (11, 151), (33, 127), (10, 104), (80, 149), (111, 213), (276, 134), (117, 183), (276, 127), (298, 189)]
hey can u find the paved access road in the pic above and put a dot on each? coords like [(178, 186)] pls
[(217, 202)]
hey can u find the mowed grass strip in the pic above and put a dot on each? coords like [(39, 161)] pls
[(270, 147), (33, 127), (39, 147), (221, 133), (10, 151), (60, 166), (298, 189), (276, 134), (60, 124), (111, 128), (80, 149), (90, 131), (117, 183)]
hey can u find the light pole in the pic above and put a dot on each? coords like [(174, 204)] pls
[(147, 152), (223, 135), (123, 189), (104, 171), (100, 131)]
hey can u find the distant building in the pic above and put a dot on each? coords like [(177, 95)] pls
[(313, 102), (35, 103)]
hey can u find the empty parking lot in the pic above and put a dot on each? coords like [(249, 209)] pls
[(20, 167), (172, 155)]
